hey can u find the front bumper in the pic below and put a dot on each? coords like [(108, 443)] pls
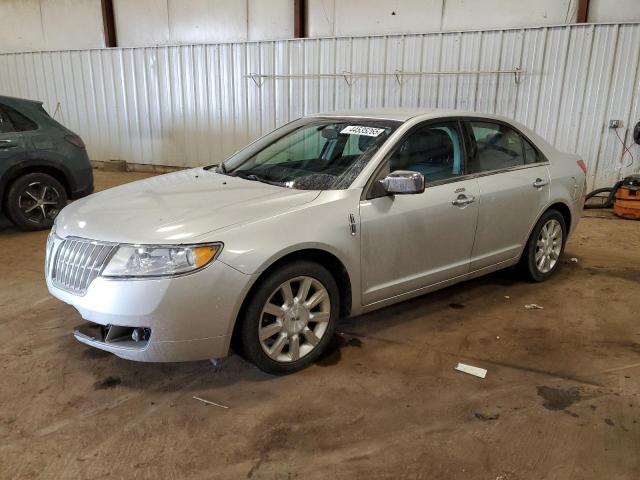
[(191, 317)]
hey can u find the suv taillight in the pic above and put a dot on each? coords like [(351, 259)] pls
[(75, 140)]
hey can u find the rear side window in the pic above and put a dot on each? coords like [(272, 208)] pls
[(498, 147), (19, 121)]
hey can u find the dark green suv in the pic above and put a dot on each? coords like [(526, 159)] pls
[(42, 164)]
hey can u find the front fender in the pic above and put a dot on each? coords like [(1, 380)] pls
[(320, 225)]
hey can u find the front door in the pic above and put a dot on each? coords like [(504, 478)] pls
[(514, 187), (413, 241)]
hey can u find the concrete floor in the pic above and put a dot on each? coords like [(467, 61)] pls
[(561, 399)]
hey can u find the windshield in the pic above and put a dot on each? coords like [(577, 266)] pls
[(322, 154)]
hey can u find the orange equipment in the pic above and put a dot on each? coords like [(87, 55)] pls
[(627, 203)]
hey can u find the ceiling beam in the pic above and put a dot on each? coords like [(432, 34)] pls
[(583, 11), (109, 24), (299, 18)]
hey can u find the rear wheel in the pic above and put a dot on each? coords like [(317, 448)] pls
[(545, 246), (290, 318), (34, 200)]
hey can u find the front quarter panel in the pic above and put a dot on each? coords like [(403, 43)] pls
[(323, 224)]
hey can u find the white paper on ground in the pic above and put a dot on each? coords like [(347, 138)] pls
[(471, 370)]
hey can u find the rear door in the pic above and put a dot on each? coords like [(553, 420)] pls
[(513, 179)]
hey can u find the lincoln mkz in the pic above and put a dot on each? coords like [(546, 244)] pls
[(329, 216)]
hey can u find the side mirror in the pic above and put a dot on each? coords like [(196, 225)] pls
[(403, 182)]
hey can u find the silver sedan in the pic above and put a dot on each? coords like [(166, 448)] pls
[(329, 216)]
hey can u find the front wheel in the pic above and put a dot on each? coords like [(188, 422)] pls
[(542, 253), (290, 318)]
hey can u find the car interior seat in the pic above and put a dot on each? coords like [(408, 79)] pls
[(430, 152)]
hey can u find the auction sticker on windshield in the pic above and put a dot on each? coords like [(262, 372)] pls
[(360, 130)]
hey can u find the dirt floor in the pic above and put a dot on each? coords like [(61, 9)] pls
[(561, 399)]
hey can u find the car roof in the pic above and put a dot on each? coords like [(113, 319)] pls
[(421, 114), (404, 114), (17, 101), (399, 114)]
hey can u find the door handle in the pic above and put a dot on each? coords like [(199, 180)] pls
[(463, 200), (6, 144), (539, 183)]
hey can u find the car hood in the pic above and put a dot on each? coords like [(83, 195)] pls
[(180, 207)]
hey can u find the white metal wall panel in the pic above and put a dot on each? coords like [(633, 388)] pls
[(194, 104), (624, 83)]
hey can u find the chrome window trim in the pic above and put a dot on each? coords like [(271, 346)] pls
[(470, 176), (509, 169)]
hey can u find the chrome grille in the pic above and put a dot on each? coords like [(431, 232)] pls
[(78, 262)]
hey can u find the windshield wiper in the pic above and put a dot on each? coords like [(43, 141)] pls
[(247, 175), (221, 169)]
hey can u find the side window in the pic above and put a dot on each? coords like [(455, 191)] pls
[(434, 151), (498, 147), (19, 121), (5, 124)]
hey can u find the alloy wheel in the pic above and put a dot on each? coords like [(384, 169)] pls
[(548, 246), (39, 202), (294, 319)]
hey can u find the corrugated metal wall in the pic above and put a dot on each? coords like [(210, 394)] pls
[(193, 105)]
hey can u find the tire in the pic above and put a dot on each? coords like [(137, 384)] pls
[(541, 256), (34, 200), (270, 323)]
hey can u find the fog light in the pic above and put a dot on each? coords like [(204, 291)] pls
[(140, 334)]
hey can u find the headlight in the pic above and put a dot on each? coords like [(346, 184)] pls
[(157, 261)]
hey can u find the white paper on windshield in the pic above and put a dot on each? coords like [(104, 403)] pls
[(360, 130)]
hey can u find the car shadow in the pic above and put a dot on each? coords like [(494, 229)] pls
[(430, 306), (429, 309), (6, 226)]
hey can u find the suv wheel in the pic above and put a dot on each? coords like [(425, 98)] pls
[(290, 318), (34, 200)]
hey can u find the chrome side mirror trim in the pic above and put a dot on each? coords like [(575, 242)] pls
[(403, 182)]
